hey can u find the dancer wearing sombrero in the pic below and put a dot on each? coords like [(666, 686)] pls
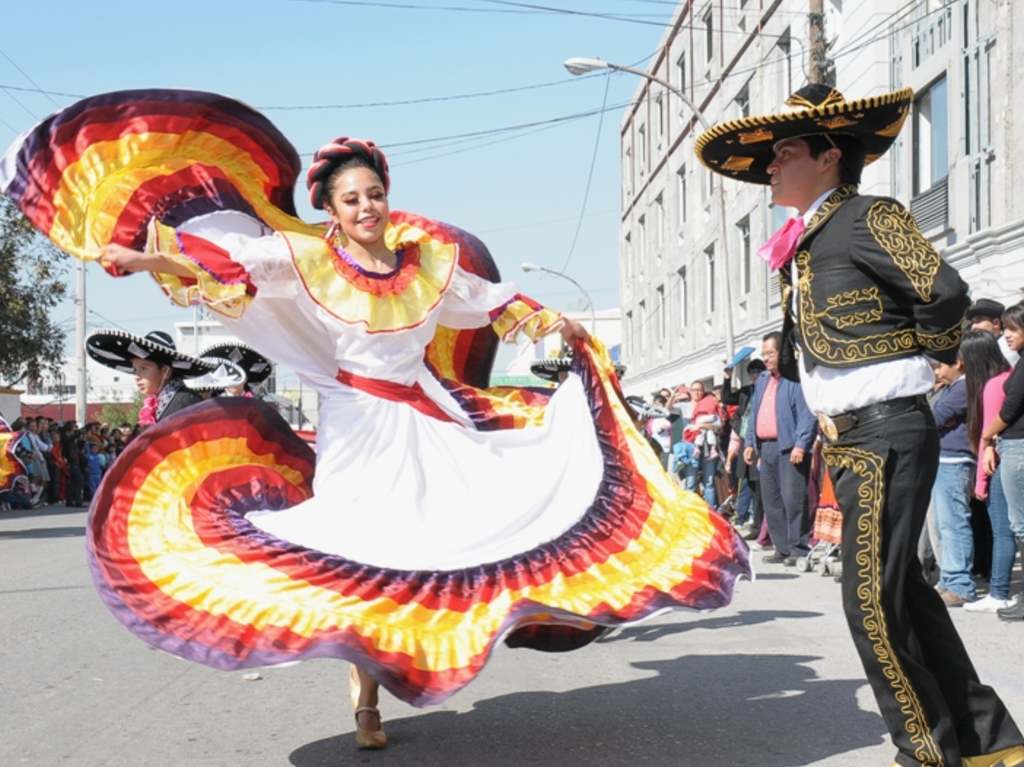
[(160, 370), (443, 516), (867, 300), (254, 366)]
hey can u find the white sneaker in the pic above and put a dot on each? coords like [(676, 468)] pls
[(988, 604)]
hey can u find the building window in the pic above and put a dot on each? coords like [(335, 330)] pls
[(681, 69), (743, 230), (662, 312), (628, 251), (642, 317), (659, 111), (684, 309), (709, 32), (785, 64), (659, 222), (642, 244), (642, 134), (743, 100), (629, 332), (681, 174), (709, 255), (931, 137)]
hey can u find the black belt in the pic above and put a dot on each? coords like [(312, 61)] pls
[(834, 425)]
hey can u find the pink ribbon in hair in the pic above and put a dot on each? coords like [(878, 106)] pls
[(781, 246)]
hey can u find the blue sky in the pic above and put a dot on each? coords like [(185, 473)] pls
[(521, 196)]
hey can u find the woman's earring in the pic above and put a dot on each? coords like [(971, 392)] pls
[(335, 237)]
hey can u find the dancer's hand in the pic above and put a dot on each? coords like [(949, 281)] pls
[(119, 259), (572, 330)]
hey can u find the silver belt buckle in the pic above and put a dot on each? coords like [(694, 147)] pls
[(828, 427)]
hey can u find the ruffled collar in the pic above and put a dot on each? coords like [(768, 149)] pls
[(386, 302)]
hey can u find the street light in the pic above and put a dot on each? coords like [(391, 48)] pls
[(528, 267), (582, 65)]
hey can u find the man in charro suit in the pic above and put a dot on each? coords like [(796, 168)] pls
[(867, 300)]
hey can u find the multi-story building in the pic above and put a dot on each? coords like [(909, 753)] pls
[(953, 164)]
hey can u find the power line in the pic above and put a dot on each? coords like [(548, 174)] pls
[(524, 10), (17, 101), (26, 75), (590, 177)]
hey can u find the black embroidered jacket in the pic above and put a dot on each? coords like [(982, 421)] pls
[(871, 288)]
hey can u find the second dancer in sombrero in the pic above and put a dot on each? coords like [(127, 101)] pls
[(442, 517)]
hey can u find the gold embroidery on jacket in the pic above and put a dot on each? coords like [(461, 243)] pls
[(896, 232), (942, 340), (831, 348), (830, 206), (869, 468), (836, 304)]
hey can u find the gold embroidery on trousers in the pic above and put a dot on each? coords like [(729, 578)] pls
[(870, 470), (896, 232)]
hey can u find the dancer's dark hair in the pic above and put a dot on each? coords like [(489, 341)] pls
[(982, 359), (851, 164), (332, 159)]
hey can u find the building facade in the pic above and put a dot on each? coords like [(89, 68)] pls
[(953, 164)]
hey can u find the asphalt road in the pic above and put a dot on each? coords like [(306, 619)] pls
[(771, 681)]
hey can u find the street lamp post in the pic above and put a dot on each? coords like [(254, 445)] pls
[(579, 66), (528, 267)]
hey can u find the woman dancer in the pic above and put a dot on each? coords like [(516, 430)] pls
[(540, 518)]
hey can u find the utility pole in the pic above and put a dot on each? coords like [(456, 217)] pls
[(82, 383), (816, 42)]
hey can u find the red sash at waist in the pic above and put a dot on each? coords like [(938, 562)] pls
[(396, 392)]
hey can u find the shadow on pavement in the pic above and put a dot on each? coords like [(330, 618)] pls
[(768, 710), (649, 632), (44, 511), (44, 532)]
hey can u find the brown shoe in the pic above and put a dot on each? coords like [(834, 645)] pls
[(951, 599)]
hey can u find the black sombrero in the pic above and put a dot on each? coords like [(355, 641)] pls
[(742, 149), (225, 375), (643, 409), (257, 367), (550, 368), (116, 349)]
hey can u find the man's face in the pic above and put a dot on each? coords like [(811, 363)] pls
[(696, 390), (989, 325), (796, 177), (770, 355)]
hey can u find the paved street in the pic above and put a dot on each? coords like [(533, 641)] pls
[(772, 680)]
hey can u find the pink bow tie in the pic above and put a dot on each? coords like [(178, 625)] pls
[(781, 246)]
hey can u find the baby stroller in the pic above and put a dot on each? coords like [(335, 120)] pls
[(827, 534)]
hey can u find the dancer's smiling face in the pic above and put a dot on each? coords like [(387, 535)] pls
[(358, 204)]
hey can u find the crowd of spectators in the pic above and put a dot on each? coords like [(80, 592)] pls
[(751, 448), (63, 462)]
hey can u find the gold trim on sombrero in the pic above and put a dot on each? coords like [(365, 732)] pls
[(833, 114), (737, 163), (756, 136)]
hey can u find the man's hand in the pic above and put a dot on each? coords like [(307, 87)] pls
[(989, 461), (749, 455), (796, 455)]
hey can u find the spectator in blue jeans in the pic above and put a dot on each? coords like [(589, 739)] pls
[(952, 488), (1009, 427)]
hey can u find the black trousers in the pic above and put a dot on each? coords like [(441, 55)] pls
[(784, 495), (936, 709)]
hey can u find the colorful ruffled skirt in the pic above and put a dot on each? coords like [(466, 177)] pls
[(177, 561)]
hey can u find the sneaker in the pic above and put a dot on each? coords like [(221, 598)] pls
[(988, 604), (773, 559)]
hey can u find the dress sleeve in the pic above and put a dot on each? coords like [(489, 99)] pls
[(228, 269), (473, 302), (888, 244)]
